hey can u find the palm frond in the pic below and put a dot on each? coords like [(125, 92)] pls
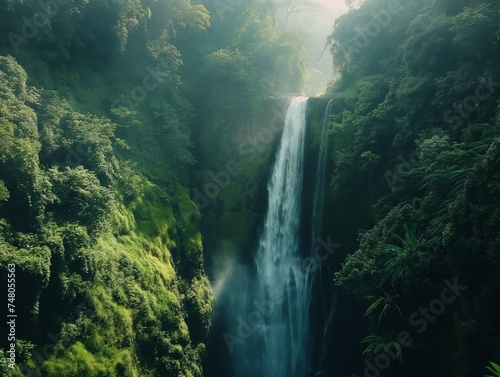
[(378, 344), (494, 368)]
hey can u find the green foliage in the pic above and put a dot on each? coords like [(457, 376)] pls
[(199, 305), (385, 301), (394, 122), (494, 368), (476, 32), (5, 370), (401, 260), (33, 271), (12, 77), (89, 192), (4, 192), (28, 186), (80, 196), (93, 173), (91, 135), (378, 344), (76, 361)]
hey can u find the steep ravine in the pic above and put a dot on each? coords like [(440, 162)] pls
[(232, 268)]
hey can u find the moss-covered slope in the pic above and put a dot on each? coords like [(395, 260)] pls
[(109, 275)]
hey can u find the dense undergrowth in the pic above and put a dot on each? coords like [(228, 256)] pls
[(109, 276), (415, 149), (100, 108), (98, 100)]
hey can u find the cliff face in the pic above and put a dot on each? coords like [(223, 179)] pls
[(109, 272), (230, 189)]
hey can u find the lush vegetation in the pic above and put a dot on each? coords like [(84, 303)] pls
[(415, 149), (98, 104), (116, 115)]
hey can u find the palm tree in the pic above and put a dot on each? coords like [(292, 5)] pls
[(386, 302), (401, 260)]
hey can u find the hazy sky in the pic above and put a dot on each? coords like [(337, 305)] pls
[(336, 6), (320, 25)]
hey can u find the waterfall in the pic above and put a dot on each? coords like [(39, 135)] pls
[(325, 297), (319, 189), (268, 329), (282, 311), (280, 279)]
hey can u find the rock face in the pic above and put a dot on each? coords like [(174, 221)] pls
[(237, 213), (263, 128)]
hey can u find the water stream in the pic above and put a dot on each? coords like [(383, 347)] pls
[(270, 327)]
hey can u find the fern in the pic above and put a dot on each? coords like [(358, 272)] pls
[(386, 301), (494, 368), (378, 344), (401, 259)]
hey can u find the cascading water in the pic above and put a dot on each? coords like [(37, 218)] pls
[(319, 189), (325, 298), (284, 342), (282, 326), (270, 334)]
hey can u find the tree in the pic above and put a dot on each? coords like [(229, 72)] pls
[(402, 260), (292, 7)]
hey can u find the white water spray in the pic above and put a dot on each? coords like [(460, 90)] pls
[(284, 335)]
